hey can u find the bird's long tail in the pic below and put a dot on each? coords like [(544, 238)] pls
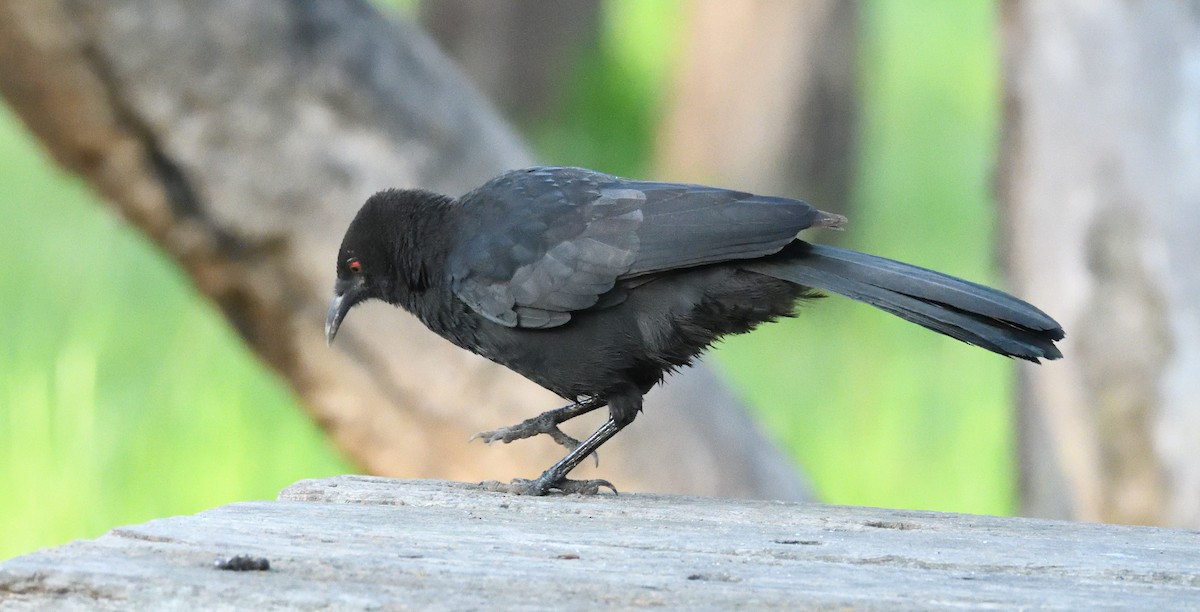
[(972, 313)]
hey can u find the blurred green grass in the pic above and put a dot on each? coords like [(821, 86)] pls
[(123, 396)]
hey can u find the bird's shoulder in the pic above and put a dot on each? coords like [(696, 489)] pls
[(538, 243), (539, 190)]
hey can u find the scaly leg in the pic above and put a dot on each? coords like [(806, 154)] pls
[(624, 403), (545, 423), (555, 478)]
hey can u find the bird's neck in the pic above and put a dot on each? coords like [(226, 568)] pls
[(422, 286), (417, 235)]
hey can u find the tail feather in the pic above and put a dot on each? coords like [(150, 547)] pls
[(963, 310)]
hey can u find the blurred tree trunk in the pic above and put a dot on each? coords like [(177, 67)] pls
[(520, 52), (766, 100), (243, 136), (1100, 175)]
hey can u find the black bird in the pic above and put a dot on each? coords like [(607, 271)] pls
[(596, 286)]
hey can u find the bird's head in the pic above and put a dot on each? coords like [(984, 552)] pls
[(377, 258), (362, 270)]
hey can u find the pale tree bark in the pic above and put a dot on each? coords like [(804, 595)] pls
[(519, 52), (243, 136), (765, 99), (1100, 175)]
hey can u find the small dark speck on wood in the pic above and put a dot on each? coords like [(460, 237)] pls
[(243, 563), (720, 577), (902, 526)]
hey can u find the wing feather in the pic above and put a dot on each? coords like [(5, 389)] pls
[(542, 243)]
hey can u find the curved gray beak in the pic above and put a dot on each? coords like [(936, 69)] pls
[(346, 293)]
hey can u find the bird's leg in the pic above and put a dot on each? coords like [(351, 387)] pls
[(623, 407), (545, 423), (555, 478)]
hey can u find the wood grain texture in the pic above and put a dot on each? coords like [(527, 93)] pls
[(356, 542)]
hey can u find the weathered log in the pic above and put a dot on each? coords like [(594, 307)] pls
[(372, 543)]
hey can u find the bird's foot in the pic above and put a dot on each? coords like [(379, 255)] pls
[(555, 478), (544, 486), (545, 423)]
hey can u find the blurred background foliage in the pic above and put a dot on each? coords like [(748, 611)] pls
[(124, 396)]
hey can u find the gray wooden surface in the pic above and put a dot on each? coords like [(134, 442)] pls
[(356, 542)]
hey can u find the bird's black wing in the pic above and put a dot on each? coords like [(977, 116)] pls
[(540, 243)]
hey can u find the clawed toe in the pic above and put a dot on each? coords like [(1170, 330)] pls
[(555, 478), (528, 429), (583, 487), (518, 486), (495, 435), (565, 486)]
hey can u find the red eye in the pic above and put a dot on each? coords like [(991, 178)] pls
[(354, 265)]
